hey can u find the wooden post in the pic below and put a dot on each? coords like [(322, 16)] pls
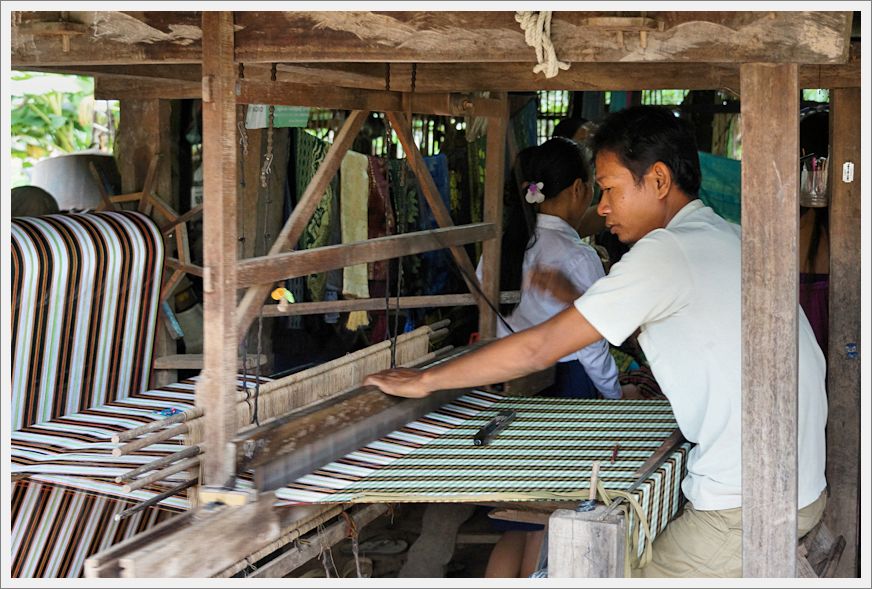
[(843, 375), (217, 389), (581, 546), (493, 213), (149, 127), (770, 265)]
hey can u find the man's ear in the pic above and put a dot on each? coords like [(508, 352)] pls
[(662, 177)]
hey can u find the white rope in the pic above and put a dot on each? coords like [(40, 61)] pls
[(537, 34)]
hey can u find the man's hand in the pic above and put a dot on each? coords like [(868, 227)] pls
[(553, 282), (400, 382)]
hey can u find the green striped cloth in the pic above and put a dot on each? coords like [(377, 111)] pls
[(545, 454)]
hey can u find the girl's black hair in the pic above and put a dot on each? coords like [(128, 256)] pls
[(641, 136), (557, 163)]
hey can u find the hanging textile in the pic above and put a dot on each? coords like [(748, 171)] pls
[(354, 194), (323, 227), (721, 187), (436, 271)]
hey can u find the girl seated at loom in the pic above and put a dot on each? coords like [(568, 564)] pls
[(544, 252)]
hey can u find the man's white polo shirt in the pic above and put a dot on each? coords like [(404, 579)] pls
[(682, 286)]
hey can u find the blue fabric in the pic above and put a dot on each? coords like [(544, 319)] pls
[(571, 382), (436, 265), (721, 185)]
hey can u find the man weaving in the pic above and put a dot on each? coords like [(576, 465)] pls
[(680, 285)]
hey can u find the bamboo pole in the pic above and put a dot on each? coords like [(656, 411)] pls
[(161, 474), (156, 425), (132, 474), (149, 440), (155, 500)]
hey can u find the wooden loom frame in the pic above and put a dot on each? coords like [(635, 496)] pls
[(765, 75)]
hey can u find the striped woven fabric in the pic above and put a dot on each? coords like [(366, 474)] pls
[(63, 511), (546, 453), (56, 527), (85, 291)]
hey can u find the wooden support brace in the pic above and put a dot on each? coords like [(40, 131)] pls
[(302, 213), (431, 195), (269, 269)]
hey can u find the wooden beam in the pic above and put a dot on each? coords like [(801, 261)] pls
[(843, 374), (494, 175), (128, 38), (416, 302), (401, 127), (302, 213), (113, 38), (188, 552), (135, 72), (495, 36), (288, 447), (580, 545), (770, 274), (217, 389), (115, 88), (335, 97), (269, 269), (519, 77)]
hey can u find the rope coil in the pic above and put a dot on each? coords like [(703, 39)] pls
[(537, 34)]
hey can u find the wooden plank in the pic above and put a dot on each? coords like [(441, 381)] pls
[(188, 553), (286, 448), (196, 361), (187, 268), (291, 560), (415, 302), (770, 274), (106, 564), (431, 194), (302, 213), (113, 38), (519, 77), (137, 72), (335, 97), (421, 37), (579, 545), (494, 183), (843, 374), (115, 88), (217, 389), (495, 36), (269, 269)]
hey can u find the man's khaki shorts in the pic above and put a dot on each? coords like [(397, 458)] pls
[(709, 543)]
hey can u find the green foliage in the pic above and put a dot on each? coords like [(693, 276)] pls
[(54, 114)]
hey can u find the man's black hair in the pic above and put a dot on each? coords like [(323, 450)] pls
[(640, 136)]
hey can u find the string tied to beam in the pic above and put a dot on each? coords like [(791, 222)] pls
[(537, 34)]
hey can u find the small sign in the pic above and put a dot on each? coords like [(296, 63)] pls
[(848, 172), (257, 116)]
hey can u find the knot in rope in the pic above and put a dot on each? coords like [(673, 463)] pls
[(537, 34)]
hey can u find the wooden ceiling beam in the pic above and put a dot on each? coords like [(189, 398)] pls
[(132, 38), (494, 36), (346, 85), (177, 72), (328, 96)]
